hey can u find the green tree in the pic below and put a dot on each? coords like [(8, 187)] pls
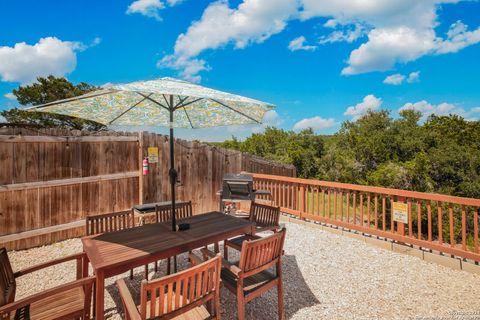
[(47, 90)]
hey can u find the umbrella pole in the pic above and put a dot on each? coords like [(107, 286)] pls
[(172, 172)]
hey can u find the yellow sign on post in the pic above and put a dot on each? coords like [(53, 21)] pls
[(152, 154), (400, 212)]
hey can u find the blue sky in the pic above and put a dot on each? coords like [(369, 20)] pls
[(321, 62)]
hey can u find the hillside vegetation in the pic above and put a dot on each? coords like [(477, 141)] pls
[(441, 154)]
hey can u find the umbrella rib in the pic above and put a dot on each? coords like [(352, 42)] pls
[(180, 101), (188, 117), (136, 104), (166, 101), (239, 112), (189, 103), (153, 100), (71, 99)]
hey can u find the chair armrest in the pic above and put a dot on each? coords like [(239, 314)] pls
[(45, 294), (77, 256), (269, 228), (128, 303), (225, 264), (194, 260)]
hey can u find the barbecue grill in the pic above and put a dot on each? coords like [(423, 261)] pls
[(237, 187)]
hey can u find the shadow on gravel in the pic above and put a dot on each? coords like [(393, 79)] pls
[(297, 294)]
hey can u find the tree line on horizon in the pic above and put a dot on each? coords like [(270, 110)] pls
[(440, 154)]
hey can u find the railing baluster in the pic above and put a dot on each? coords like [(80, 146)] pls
[(335, 204), (368, 209), (419, 220), (429, 218), (392, 222), (440, 231), (323, 202), (475, 229), (361, 209), (341, 205), (348, 206), (376, 210), (354, 207), (410, 222), (384, 213), (318, 200), (452, 227), (328, 204)]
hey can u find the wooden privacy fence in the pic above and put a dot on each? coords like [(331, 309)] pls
[(51, 179), (437, 222)]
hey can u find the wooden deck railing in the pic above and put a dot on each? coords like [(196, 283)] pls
[(437, 222)]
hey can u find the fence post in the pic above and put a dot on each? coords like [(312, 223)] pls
[(140, 168)]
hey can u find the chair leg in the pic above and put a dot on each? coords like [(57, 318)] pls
[(131, 274), (175, 264), (217, 304), (281, 305), (156, 266), (225, 250), (168, 265), (146, 271), (240, 305), (216, 247)]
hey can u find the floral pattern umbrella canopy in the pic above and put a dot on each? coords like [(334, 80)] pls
[(163, 102), (148, 103)]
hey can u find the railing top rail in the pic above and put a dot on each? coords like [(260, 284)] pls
[(379, 190)]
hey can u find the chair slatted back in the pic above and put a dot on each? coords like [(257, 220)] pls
[(109, 222), (178, 293), (7, 279), (264, 215), (183, 210), (261, 254)]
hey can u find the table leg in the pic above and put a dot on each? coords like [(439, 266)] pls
[(100, 294)]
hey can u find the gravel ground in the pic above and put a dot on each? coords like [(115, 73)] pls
[(326, 276)]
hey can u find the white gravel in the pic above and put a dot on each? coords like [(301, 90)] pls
[(326, 276)]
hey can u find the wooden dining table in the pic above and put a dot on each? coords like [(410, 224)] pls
[(114, 253)]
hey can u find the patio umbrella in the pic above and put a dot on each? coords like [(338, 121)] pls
[(165, 102)]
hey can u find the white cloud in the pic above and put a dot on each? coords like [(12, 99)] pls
[(458, 37), (348, 33), (397, 78), (188, 68), (399, 31), (151, 8), (369, 102), (441, 109), (49, 56), (299, 44), (148, 8), (413, 77), (252, 21), (388, 46), (316, 123), (10, 96), (394, 79)]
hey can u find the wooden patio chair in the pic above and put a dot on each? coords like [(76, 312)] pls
[(110, 222), (265, 217), (68, 301), (251, 277), (178, 296), (163, 213)]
